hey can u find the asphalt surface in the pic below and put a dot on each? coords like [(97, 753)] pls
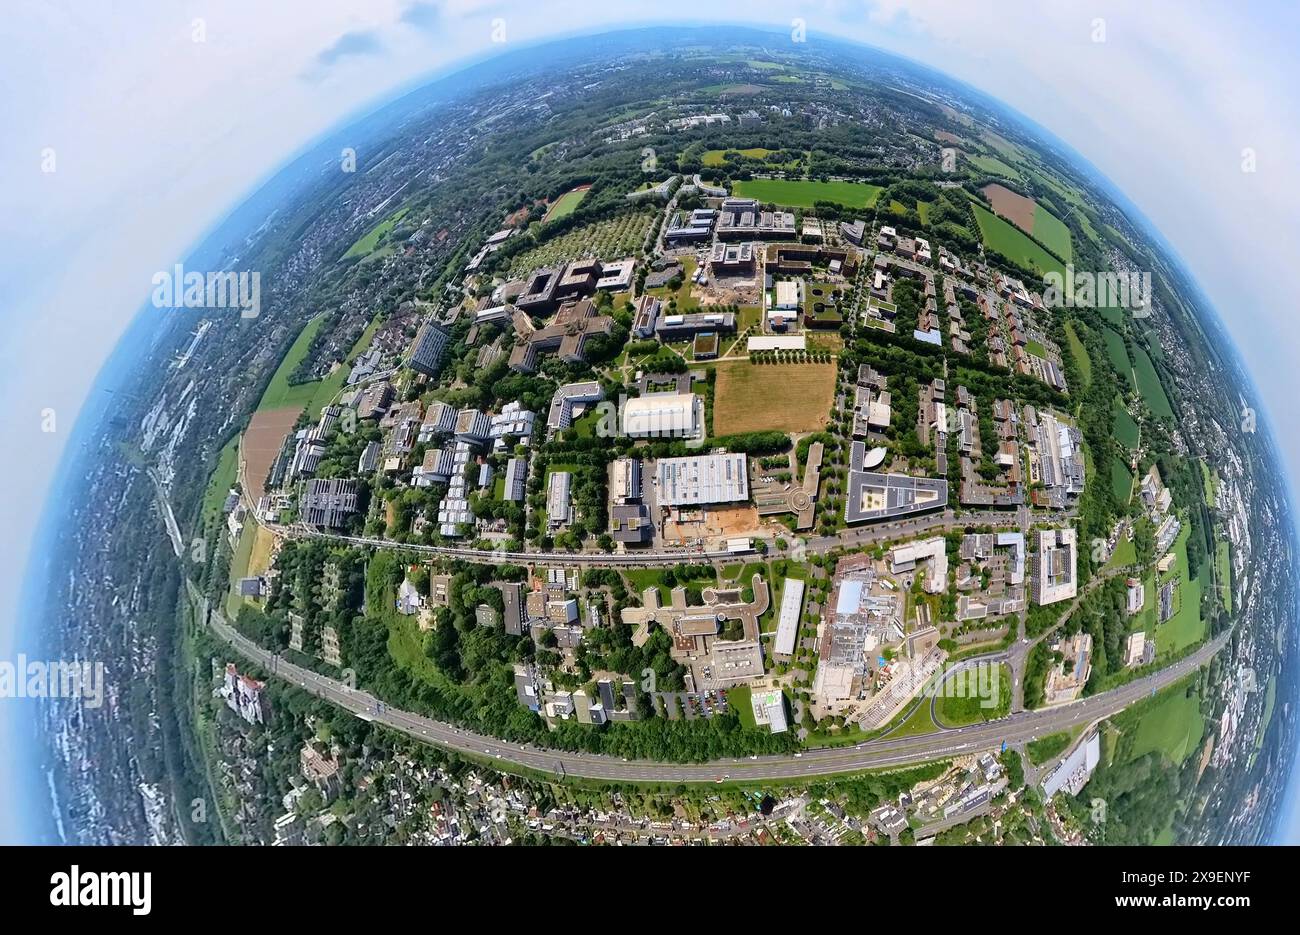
[(1015, 728)]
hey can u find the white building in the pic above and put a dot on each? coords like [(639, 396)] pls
[(664, 415)]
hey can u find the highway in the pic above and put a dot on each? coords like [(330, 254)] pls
[(853, 538), (1016, 728), (873, 754)]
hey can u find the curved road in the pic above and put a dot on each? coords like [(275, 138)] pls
[(1013, 729)]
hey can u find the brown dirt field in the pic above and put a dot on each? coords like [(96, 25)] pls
[(719, 521), (263, 548), (261, 443), (943, 136), (1016, 208), (781, 397)]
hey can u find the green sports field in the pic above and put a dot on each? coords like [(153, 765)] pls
[(805, 193), (566, 204)]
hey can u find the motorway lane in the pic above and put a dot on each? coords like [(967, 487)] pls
[(848, 538), (1016, 728)]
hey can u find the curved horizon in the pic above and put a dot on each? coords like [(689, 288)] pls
[(31, 574)]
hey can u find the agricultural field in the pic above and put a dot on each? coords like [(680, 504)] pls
[(1012, 206), (1032, 218), (796, 397), (1052, 232), (1148, 384), (566, 204), (1079, 353), (1127, 432), (1011, 242), (1121, 480), (805, 193), (610, 239), (367, 244), (1118, 354), (1185, 627), (993, 166)]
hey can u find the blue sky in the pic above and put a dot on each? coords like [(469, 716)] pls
[(160, 116)]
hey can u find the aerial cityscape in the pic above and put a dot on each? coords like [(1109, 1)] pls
[(666, 437)]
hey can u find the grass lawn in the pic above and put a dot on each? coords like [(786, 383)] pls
[(219, 484), (279, 393), (715, 157), (259, 559), (1173, 727), (685, 303), (1210, 481), (1185, 627), (1050, 231), (1270, 701), (315, 394), (1223, 571), (368, 243), (993, 166), (805, 193), (1125, 428), (970, 708), (239, 568), (638, 579), (566, 204), (1036, 348), (1118, 354), (1148, 384), (1045, 748), (738, 701), (1125, 553), (1121, 480), (1008, 240), (1079, 353), (794, 397)]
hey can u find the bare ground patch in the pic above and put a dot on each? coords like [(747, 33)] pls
[(782, 397), (1016, 208), (262, 441)]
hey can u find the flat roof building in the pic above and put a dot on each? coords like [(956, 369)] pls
[(559, 503), (787, 628), (1055, 579), (328, 501), (872, 496), (664, 415), (430, 349), (702, 479)]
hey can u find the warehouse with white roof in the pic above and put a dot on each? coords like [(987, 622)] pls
[(702, 479), (787, 628), (664, 415)]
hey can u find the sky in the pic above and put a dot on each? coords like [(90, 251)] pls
[(131, 129)]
